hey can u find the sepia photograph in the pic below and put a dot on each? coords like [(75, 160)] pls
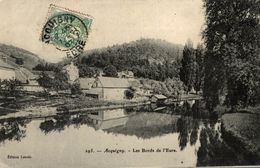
[(129, 83)]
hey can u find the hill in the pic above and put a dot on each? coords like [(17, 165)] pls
[(153, 50), (148, 58), (17, 56)]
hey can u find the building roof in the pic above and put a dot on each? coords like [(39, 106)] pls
[(26, 72), (110, 82), (86, 83), (159, 96), (5, 65), (23, 75)]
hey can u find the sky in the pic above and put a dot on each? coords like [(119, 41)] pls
[(115, 22)]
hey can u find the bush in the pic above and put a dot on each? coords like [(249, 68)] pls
[(129, 94), (75, 88)]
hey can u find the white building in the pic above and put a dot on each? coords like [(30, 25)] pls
[(112, 88), (106, 88)]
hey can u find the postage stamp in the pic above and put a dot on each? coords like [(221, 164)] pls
[(67, 30)]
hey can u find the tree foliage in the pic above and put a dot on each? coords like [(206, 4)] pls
[(11, 87), (47, 67), (168, 87), (199, 68), (187, 71), (232, 37), (192, 66), (86, 71), (110, 70), (45, 80), (19, 61), (56, 83), (147, 58)]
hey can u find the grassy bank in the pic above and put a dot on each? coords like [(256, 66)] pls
[(242, 131)]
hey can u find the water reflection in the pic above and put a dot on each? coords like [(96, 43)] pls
[(186, 124), (143, 122), (188, 129), (13, 130), (60, 122), (109, 118), (146, 125), (213, 150)]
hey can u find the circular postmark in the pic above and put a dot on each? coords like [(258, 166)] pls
[(65, 31)]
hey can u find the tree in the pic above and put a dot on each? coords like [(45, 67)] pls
[(199, 68), (110, 70), (147, 58), (75, 88), (60, 81), (232, 38), (12, 87), (129, 93), (1, 86), (85, 71), (187, 71), (45, 80), (47, 67), (57, 83), (19, 61)]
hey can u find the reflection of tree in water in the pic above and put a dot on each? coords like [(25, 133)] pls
[(213, 151), (188, 131), (182, 128), (196, 110), (188, 125), (60, 122), (190, 122), (194, 132), (13, 130), (160, 122)]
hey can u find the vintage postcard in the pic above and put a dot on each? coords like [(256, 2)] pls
[(129, 83)]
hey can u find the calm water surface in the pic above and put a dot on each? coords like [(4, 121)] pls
[(114, 137)]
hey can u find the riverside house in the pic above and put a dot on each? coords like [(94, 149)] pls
[(86, 85), (9, 70), (106, 88), (157, 98)]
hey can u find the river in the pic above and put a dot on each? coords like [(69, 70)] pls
[(135, 136)]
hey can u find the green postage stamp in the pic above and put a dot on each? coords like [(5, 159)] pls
[(67, 30)]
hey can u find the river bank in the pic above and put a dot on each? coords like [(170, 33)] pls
[(39, 107), (242, 131)]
